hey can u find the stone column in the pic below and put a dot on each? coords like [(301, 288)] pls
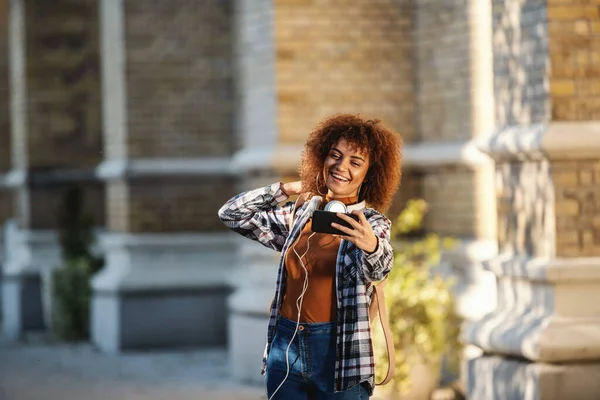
[(55, 143), (167, 78), (5, 142), (5, 198), (541, 342), (248, 306), (455, 107), (299, 62)]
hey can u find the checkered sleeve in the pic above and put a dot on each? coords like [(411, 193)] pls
[(257, 215), (379, 263)]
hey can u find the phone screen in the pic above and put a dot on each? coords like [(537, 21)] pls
[(322, 220)]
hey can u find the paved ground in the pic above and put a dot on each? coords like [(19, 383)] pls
[(78, 372)]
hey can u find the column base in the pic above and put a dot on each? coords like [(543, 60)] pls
[(247, 339), (30, 258), (21, 305), (499, 378), (159, 318), (161, 290), (475, 288), (249, 310)]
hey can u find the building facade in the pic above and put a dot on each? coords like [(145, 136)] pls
[(160, 111)]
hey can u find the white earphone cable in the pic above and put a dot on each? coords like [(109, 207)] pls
[(299, 307)]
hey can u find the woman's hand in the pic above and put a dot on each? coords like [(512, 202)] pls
[(361, 234), (292, 188)]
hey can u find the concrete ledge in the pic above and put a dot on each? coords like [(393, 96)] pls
[(283, 159), (554, 141), (545, 269), (22, 177), (135, 168), (497, 378), (286, 159)]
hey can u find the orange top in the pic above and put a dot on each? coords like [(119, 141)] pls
[(320, 302)]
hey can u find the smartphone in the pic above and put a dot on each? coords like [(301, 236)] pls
[(322, 222)]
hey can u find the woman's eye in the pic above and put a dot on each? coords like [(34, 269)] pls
[(356, 164)]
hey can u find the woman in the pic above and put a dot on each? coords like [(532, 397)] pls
[(318, 340)]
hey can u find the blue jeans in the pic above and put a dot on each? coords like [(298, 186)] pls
[(311, 360)]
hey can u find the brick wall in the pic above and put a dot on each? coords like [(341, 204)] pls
[(521, 62), (450, 193), (167, 205), (63, 84), (179, 78), (6, 201), (577, 191), (410, 188), (44, 202), (443, 52), (337, 56), (574, 47)]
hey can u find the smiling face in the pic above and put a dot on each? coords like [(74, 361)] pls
[(344, 170)]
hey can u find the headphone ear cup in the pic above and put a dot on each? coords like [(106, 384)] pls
[(336, 206)]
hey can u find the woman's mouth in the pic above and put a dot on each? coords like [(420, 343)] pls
[(339, 178)]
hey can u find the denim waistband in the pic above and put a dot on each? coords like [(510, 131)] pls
[(312, 327)]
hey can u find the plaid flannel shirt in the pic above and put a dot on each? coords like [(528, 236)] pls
[(258, 215)]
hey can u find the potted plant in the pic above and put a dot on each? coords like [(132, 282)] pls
[(421, 311)]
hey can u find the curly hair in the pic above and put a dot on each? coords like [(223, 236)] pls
[(369, 136)]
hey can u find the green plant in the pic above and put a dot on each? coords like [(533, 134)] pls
[(71, 282), (420, 304)]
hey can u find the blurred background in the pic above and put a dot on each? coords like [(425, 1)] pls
[(126, 124)]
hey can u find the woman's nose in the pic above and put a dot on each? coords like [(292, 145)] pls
[(341, 166)]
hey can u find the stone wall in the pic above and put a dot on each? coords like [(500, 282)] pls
[(254, 52), (520, 40), (525, 199)]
